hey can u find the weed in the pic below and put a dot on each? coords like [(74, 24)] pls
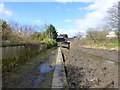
[(66, 86), (28, 63), (28, 69), (65, 65)]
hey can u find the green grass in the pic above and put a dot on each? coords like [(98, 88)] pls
[(28, 63), (28, 69), (109, 45)]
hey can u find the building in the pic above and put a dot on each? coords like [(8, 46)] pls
[(60, 39), (111, 34)]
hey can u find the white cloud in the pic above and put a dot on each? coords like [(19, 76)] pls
[(71, 32), (37, 21), (4, 11), (94, 18)]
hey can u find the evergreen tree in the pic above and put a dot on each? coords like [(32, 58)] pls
[(6, 31), (51, 32), (64, 35)]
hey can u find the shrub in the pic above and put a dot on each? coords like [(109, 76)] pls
[(50, 42)]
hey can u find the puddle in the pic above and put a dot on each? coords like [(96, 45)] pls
[(45, 68), (108, 62)]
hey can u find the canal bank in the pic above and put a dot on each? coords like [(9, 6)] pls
[(31, 74)]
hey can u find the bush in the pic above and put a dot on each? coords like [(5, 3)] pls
[(50, 42)]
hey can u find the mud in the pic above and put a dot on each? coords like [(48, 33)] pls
[(90, 70)]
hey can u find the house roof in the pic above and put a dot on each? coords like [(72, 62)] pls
[(60, 37)]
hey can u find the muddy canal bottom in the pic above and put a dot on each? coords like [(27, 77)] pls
[(44, 79), (89, 71)]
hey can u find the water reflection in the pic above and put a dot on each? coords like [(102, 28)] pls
[(45, 68)]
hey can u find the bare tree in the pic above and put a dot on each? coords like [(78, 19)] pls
[(113, 17), (79, 35), (96, 34)]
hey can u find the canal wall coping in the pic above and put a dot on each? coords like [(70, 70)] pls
[(59, 77)]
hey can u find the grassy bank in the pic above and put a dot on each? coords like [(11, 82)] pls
[(110, 45), (103, 44)]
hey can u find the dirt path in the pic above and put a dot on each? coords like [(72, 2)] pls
[(35, 73), (87, 70)]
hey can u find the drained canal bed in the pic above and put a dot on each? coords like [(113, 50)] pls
[(46, 69), (85, 70)]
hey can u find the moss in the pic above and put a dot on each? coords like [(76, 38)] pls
[(8, 63), (22, 58)]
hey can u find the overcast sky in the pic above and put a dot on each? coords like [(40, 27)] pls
[(68, 16)]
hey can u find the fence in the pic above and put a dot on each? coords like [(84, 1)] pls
[(13, 54)]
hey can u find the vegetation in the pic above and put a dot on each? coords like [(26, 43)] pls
[(97, 35), (49, 36), (51, 32), (110, 44), (6, 31), (64, 35), (113, 16), (14, 32), (98, 38)]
